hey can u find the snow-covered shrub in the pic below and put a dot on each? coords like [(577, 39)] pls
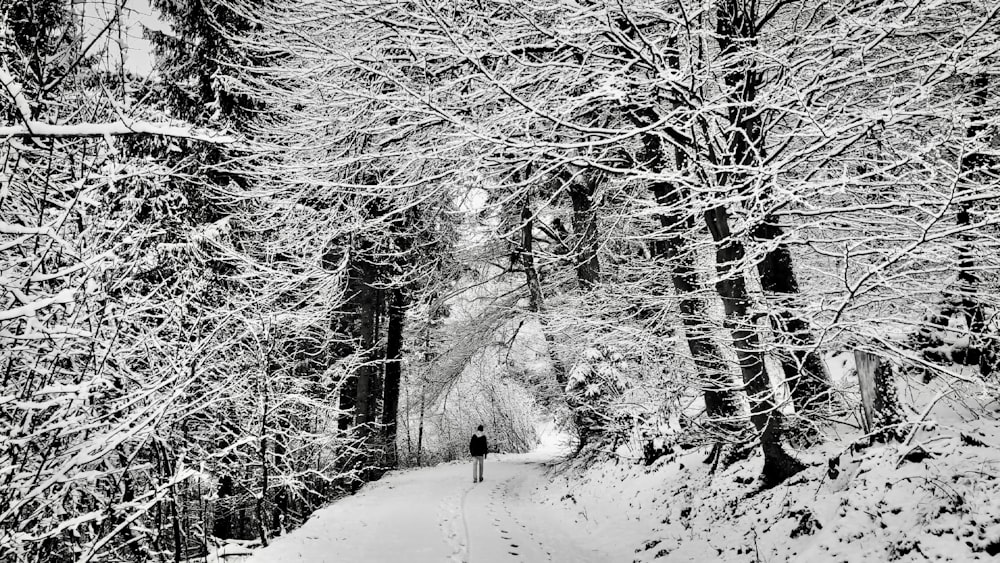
[(612, 397)]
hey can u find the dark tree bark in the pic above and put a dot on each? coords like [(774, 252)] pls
[(971, 164), (804, 369), (766, 418), (343, 346), (420, 428), (968, 304), (805, 372), (962, 300), (721, 399), (377, 389), (735, 30), (588, 265), (983, 348), (368, 312), (223, 526), (259, 505), (536, 303), (281, 504), (393, 372), (348, 393), (166, 464)]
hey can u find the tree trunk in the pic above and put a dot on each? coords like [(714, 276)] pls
[(806, 374), (281, 505), (135, 541), (971, 162), (339, 349), (722, 401), (168, 466), (883, 415), (536, 302), (428, 358), (265, 400), (363, 400), (804, 370), (376, 390), (588, 265), (962, 299), (348, 394), (967, 302), (393, 372), (420, 429), (778, 464)]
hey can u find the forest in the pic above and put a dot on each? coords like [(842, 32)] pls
[(321, 240)]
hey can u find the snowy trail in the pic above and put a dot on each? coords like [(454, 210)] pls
[(437, 514)]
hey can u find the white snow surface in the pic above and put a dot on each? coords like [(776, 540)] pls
[(936, 497), (438, 514)]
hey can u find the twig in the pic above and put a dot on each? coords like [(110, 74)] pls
[(927, 411), (16, 92)]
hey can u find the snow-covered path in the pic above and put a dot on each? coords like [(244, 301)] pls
[(437, 514)]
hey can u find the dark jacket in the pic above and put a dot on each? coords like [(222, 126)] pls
[(477, 446)]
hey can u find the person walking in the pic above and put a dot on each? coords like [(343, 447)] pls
[(478, 449)]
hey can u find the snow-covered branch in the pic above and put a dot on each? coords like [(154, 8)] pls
[(15, 91), (30, 309), (122, 127)]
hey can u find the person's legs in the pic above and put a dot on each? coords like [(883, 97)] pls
[(477, 468)]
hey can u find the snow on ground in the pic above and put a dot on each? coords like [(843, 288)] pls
[(437, 514), (877, 506), (936, 498)]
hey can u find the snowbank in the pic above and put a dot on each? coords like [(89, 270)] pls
[(940, 501)]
